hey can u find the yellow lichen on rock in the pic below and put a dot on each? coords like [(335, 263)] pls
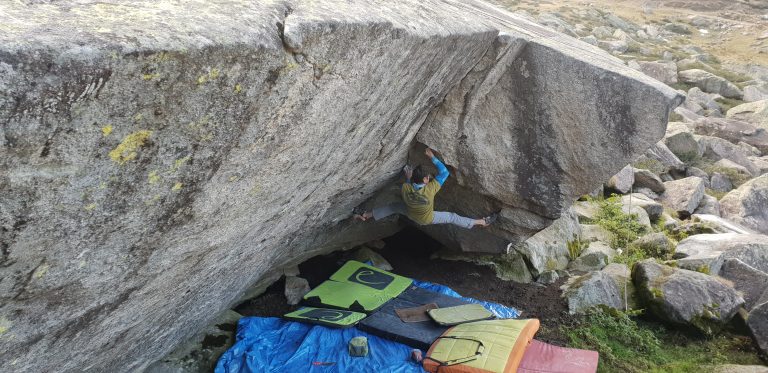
[(153, 177), (90, 207), (41, 271), (127, 150), (177, 187), (238, 88), (106, 130)]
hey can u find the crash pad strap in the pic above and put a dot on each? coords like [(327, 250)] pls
[(415, 314)]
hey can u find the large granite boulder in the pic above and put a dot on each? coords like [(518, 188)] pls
[(660, 154), (684, 195), (685, 297), (709, 205), (752, 112), (159, 159), (594, 258), (710, 83), (720, 225), (748, 204)]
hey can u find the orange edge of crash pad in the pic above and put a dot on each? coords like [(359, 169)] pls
[(515, 356)]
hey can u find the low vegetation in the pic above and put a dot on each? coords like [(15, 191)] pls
[(623, 227), (629, 344)]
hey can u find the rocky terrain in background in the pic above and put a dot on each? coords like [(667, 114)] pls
[(685, 235), (161, 161)]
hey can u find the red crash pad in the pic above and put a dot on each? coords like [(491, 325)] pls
[(541, 357)]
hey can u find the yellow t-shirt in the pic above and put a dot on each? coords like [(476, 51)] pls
[(420, 203)]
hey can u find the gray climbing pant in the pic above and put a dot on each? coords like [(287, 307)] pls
[(441, 217)]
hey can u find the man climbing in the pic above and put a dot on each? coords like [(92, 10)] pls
[(418, 193)]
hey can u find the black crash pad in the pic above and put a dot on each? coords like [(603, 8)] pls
[(386, 324)]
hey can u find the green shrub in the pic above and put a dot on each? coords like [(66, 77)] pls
[(624, 227), (576, 247)]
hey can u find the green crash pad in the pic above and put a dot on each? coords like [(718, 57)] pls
[(459, 314), (376, 279), (346, 296), (325, 316)]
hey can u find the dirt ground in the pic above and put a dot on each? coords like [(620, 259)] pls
[(409, 253)]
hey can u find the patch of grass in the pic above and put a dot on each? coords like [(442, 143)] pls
[(651, 164), (623, 227), (628, 345), (683, 87), (576, 247), (675, 117), (737, 178), (728, 103), (715, 193)]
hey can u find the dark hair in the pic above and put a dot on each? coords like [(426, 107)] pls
[(418, 175)]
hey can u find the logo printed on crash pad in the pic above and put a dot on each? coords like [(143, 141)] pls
[(371, 278), (326, 314)]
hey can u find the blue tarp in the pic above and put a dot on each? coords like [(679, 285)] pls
[(269, 344)]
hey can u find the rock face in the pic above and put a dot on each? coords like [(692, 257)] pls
[(685, 297), (710, 83), (752, 283), (161, 160), (548, 249), (663, 71), (748, 204)]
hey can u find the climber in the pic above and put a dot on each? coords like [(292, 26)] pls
[(418, 193)]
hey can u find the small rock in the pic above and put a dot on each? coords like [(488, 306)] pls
[(663, 71), (697, 172), (685, 297), (752, 283), (602, 32), (589, 39), (291, 271), (657, 245), (748, 204), (677, 28), (706, 100), (720, 225), (547, 250), (647, 179), (590, 290), (761, 163), (592, 232), (716, 149), (683, 195), (652, 208), (660, 153), (754, 93), (622, 276), (619, 46), (708, 205), (548, 277), (596, 256), (367, 255), (295, 289), (720, 182), (623, 180), (733, 368), (680, 140), (648, 193)]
